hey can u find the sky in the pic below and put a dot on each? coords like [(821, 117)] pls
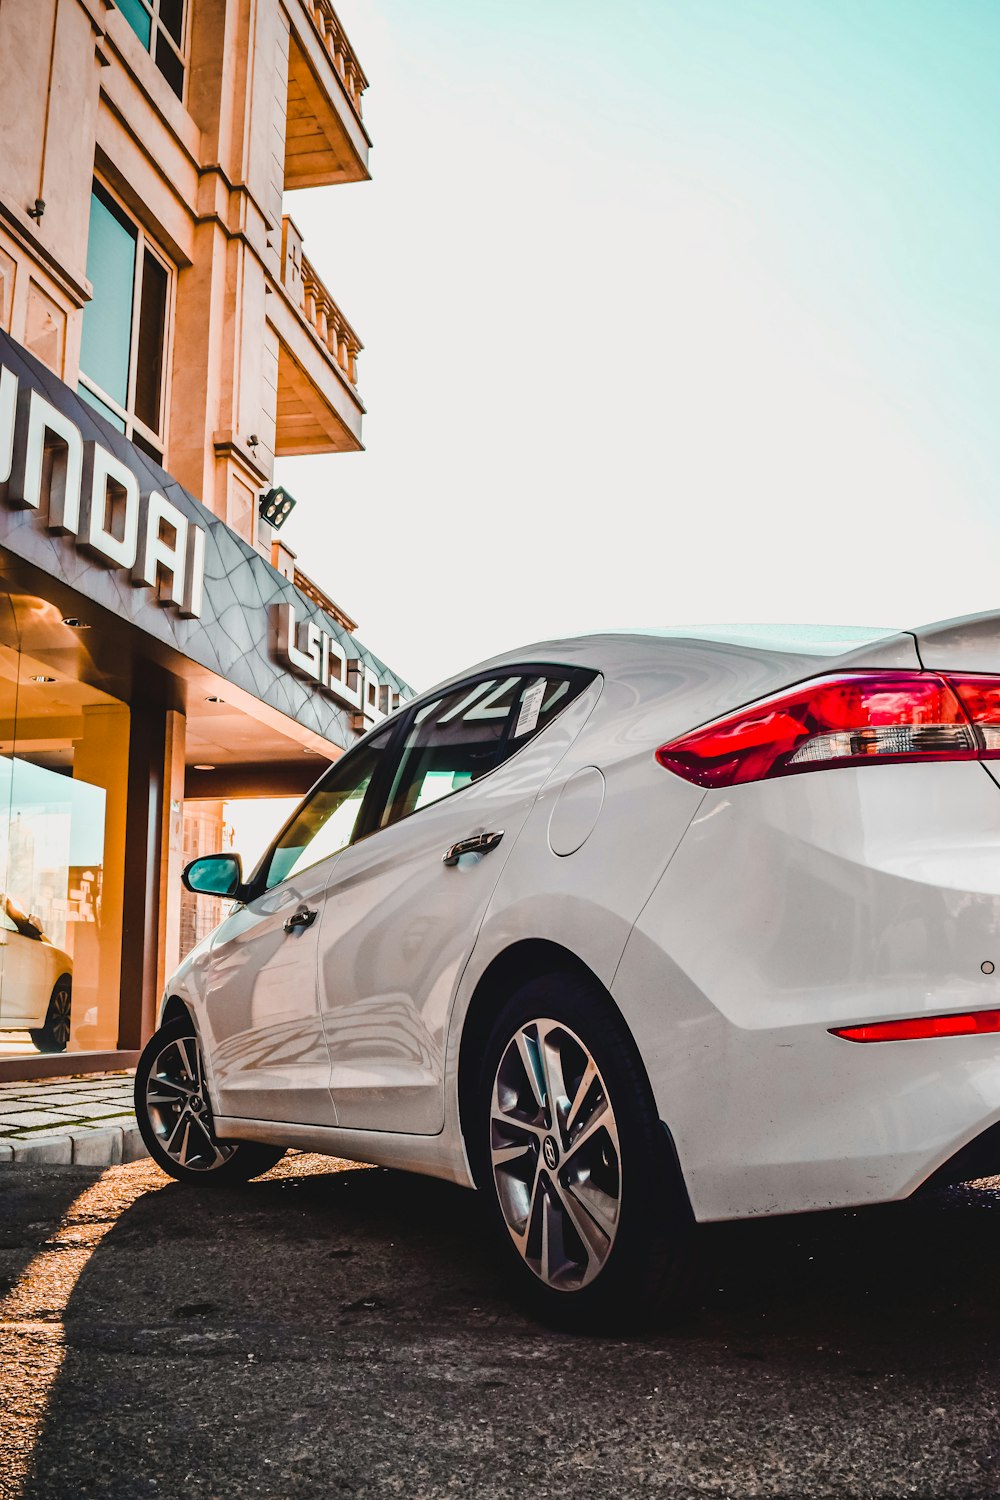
[(674, 311)]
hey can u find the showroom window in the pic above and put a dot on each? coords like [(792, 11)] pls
[(63, 800), (123, 355), (159, 25)]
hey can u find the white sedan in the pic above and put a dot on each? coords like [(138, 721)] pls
[(36, 981), (629, 932)]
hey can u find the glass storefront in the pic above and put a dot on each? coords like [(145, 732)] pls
[(160, 683), (244, 826), (63, 780)]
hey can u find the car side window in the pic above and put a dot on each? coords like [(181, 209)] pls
[(451, 742), (465, 733), (327, 821), (544, 694)]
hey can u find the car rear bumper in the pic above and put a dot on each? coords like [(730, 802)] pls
[(795, 906)]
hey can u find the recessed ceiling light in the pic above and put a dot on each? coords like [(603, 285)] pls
[(203, 768), (214, 699), (75, 623), (40, 677)]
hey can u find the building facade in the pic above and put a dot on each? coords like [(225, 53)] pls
[(163, 339)]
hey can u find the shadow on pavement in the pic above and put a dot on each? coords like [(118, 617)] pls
[(347, 1332), (32, 1205)]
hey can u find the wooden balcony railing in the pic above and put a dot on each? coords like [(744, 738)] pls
[(341, 53), (315, 303)]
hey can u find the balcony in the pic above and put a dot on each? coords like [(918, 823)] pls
[(325, 139), (318, 406)]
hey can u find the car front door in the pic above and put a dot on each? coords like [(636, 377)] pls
[(264, 1030), (406, 901)]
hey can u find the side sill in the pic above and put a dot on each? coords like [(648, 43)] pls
[(430, 1155)]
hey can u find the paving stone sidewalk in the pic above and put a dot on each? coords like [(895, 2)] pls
[(89, 1121)]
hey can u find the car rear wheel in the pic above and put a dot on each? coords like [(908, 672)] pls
[(53, 1034), (175, 1116), (579, 1173)]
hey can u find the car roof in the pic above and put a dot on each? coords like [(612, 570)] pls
[(610, 650)]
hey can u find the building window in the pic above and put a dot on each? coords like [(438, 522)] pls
[(159, 25), (123, 351)]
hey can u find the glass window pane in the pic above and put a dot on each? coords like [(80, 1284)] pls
[(325, 823), (452, 742), (100, 406), (152, 326), (137, 16), (172, 17), (150, 449), (169, 64), (544, 695), (107, 318)]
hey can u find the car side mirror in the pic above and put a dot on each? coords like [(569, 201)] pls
[(214, 875)]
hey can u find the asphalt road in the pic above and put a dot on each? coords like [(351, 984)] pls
[(338, 1332)]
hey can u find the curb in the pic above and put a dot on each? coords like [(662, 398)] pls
[(102, 1147)]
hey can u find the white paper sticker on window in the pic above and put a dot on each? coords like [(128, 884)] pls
[(531, 707)]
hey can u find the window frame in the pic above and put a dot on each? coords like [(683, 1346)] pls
[(134, 426), (158, 28)]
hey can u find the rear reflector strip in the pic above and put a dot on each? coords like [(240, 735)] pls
[(968, 1023)]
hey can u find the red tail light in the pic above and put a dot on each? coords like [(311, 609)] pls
[(856, 718), (969, 1023)]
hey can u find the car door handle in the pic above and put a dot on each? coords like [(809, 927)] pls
[(479, 843), (303, 917)]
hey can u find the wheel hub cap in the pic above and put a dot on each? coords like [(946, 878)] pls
[(555, 1154)]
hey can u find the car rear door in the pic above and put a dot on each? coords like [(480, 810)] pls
[(406, 901)]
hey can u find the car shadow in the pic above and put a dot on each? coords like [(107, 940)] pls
[(335, 1330), (32, 1205)]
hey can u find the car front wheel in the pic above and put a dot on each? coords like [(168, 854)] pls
[(579, 1173), (175, 1117)]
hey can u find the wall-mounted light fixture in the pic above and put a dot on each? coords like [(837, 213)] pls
[(276, 506), (36, 212)]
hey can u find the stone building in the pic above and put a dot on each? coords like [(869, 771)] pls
[(163, 339)]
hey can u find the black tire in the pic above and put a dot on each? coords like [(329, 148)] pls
[(645, 1268), (53, 1034), (184, 1114)]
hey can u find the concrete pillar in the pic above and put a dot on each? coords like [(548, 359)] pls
[(141, 908), (171, 849), (101, 758)]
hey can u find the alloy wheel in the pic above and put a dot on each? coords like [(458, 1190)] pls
[(555, 1154), (58, 1019), (178, 1108)]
